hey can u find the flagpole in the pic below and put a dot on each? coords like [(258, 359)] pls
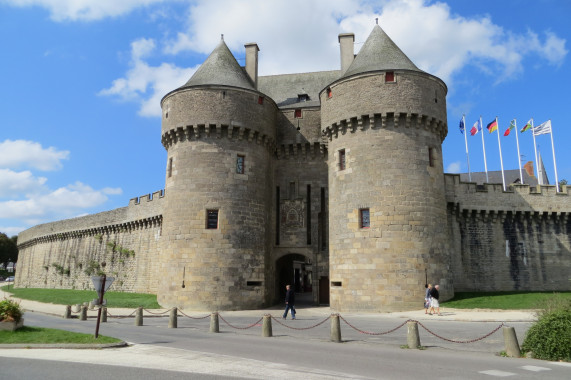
[(501, 159), (539, 181), (554, 164), (518, 154), (484, 147), (466, 141)]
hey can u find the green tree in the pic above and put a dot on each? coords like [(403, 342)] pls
[(562, 182), (8, 249)]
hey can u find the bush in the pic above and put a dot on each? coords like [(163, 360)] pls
[(10, 311), (550, 337)]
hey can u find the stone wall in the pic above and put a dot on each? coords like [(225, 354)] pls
[(512, 240), (122, 242)]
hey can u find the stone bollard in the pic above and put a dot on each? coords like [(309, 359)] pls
[(267, 326), (335, 328), (103, 314), (83, 313), (412, 337), (511, 343), (91, 305), (139, 317), (67, 312), (214, 326), (173, 323)]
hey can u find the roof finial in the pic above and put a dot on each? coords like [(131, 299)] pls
[(377, 20), (222, 37)]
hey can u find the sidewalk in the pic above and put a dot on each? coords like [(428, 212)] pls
[(468, 315)]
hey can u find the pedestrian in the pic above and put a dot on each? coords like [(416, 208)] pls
[(290, 302), (427, 298), (434, 303)]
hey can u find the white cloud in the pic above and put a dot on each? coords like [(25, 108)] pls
[(147, 84), (454, 167), (22, 153), (301, 36), (84, 10), (61, 202), (12, 183)]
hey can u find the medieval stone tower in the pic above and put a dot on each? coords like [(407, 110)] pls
[(385, 121), (330, 181), (219, 133)]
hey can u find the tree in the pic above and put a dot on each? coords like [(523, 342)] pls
[(562, 182), (8, 249)]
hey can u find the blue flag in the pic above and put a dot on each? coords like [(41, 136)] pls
[(462, 125)]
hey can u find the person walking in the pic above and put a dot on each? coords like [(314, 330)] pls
[(290, 302), (434, 303), (427, 298)]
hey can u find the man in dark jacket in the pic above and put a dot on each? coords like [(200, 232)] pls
[(290, 302)]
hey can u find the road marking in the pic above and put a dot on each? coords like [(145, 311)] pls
[(535, 368), (494, 372)]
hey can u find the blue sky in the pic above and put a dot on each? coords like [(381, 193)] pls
[(81, 82)]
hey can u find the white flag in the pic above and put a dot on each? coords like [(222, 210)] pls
[(543, 128)]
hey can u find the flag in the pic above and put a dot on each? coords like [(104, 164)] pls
[(527, 126), (512, 126), (475, 128), (461, 125), (492, 126), (543, 128)]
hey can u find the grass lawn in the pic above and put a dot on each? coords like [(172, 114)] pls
[(28, 334), (73, 297), (504, 300)]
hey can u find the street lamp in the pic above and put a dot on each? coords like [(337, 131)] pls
[(101, 284)]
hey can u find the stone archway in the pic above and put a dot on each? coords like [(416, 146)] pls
[(292, 269)]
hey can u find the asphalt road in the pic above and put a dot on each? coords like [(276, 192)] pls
[(304, 354)]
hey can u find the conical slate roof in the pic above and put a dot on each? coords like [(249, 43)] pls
[(379, 53), (221, 68)]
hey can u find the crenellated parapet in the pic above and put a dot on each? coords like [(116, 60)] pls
[(125, 227), (474, 199), (305, 150), (394, 120), (147, 198), (230, 130)]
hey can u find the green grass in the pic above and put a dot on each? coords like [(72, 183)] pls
[(28, 334), (73, 297), (503, 300)]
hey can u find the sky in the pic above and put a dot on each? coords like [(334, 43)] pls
[(81, 82)]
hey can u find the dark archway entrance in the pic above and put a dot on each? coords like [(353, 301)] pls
[(293, 270)]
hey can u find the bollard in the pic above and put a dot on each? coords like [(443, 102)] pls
[(214, 326), (172, 318), (412, 337), (83, 313), (91, 305), (103, 314), (335, 328), (267, 326), (510, 340), (67, 313), (139, 317)]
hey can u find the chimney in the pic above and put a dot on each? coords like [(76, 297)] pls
[(346, 43), (252, 62)]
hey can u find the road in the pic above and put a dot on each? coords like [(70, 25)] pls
[(309, 354)]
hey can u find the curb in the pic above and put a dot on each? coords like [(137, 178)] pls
[(91, 346)]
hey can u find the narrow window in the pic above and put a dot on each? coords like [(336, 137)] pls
[(329, 93), (240, 161), (169, 168), (308, 210), (212, 219), (431, 157), (260, 100), (342, 159), (389, 76), (297, 113), (223, 94), (277, 215), (364, 218)]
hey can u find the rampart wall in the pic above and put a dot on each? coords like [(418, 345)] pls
[(65, 254), (512, 240)]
